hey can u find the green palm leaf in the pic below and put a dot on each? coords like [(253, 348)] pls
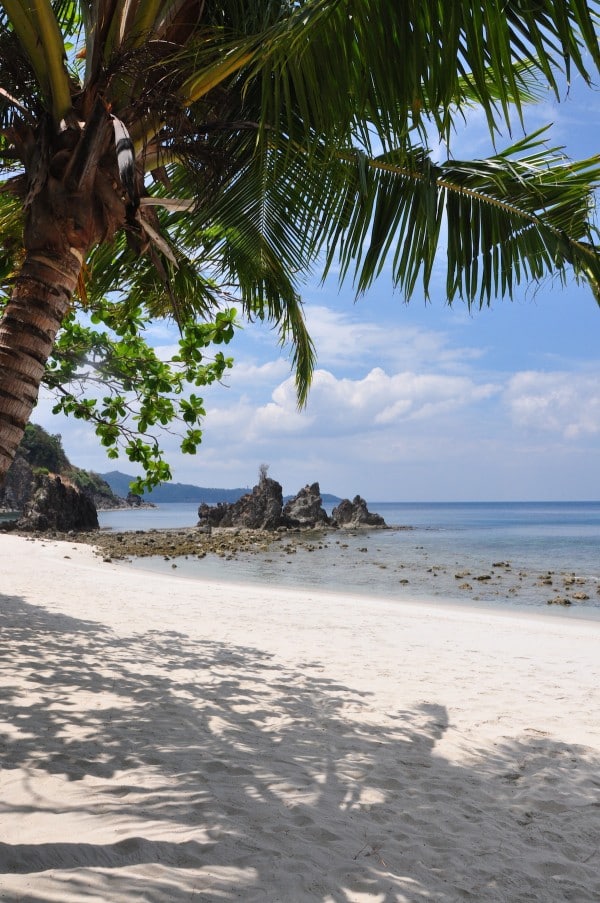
[(520, 215), (285, 136)]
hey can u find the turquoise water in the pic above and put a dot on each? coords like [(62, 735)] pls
[(512, 555)]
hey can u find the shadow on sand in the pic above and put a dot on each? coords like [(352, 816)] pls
[(273, 777)]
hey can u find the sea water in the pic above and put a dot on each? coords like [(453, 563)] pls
[(507, 554)]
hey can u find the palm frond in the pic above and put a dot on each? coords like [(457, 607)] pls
[(53, 46), (183, 290), (11, 229), (284, 131), (18, 80), (520, 215), (37, 30), (23, 24), (392, 63)]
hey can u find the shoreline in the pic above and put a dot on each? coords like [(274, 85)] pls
[(334, 560), (416, 598), (339, 559), (169, 738)]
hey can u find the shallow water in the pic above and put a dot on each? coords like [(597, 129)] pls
[(509, 555)]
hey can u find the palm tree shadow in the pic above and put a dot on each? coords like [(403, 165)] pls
[(278, 781)]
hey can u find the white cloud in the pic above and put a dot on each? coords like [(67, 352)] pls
[(382, 399), (564, 403), (247, 375), (344, 338), (350, 407)]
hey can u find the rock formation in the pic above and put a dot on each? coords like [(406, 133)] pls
[(263, 509), (56, 504), (42, 454), (355, 514), (16, 488), (306, 509), (260, 509)]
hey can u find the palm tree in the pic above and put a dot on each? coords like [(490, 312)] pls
[(179, 146)]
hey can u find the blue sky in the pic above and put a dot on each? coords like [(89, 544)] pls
[(412, 402)]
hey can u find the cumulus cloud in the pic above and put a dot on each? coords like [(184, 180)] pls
[(565, 403), (345, 407), (383, 399)]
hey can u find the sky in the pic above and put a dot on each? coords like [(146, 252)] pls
[(410, 402)]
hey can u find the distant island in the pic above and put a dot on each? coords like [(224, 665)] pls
[(187, 492)]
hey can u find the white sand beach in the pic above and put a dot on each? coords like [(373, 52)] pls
[(166, 740)]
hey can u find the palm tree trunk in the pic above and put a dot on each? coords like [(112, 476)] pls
[(40, 299)]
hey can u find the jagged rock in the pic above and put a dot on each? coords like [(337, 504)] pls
[(211, 515), (56, 504), (16, 488), (40, 452), (260, 509), (306, 508), (355, 514)]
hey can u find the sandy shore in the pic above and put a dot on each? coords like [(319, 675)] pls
[(164, 740)]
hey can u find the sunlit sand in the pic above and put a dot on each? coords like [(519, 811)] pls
[(165, 740)]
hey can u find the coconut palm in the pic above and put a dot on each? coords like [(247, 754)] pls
[(180, 147)]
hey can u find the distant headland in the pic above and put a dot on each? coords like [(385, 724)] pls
[(188, 492)]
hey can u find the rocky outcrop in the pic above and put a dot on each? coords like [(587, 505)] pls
[(57, 504), (263, 509), (16, 488), (41, 453), (306, 509), (260, 509), (355, 514)]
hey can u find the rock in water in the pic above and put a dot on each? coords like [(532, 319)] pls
[(355, 514), (306, 509), (258, 510), (263, 509)]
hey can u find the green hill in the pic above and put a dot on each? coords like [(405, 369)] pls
[(186, 492), (173, 492)]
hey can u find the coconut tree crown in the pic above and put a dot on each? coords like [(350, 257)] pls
[(178, 151)]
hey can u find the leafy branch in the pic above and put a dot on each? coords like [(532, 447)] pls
[(115, 380)]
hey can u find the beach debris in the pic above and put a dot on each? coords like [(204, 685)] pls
[(371, 850), (559, 600)]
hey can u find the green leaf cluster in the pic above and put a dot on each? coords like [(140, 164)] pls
[(273, 139), (113, 379)]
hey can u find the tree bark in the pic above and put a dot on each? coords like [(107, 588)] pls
[(40, 299)]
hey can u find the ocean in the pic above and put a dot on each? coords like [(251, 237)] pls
[(509, 555)]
